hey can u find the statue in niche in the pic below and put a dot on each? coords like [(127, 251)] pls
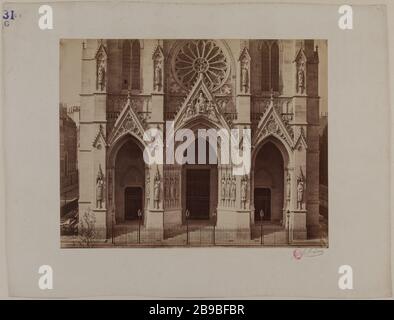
[(167, 188), (210, 109), (288, 189), (172, 190), (157, 81), (156, 194), (100, 189), (109, 188), (223, 191), (175, 189), (233, 191), (244, 187), (200, 105), (245, 75), (223, 106), (301, 79), (300, 193), (101, 74), (147, 189), (190, 110), (228, 190)]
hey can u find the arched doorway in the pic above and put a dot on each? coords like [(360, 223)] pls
[(200, 178), (268, 193), (129, 184)]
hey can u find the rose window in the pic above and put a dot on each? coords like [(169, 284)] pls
[(197, 57)]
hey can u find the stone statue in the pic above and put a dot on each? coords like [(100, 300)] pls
[(244, 186), (245, 76), (223, 191), (300, 193), (233, 190), (157, 82), (167, 182), (210, 109), (101, 75), (156, 191), (301, 80), (175, 189), (200, 104), (190, 110), (223, 106), (147, 190), (228, 189), (288, 187), (99, 189), (172, 190)]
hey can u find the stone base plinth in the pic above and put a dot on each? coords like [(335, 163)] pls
[(298, 225), (173, 218), (232, 236), (154, 219), (234, 223)]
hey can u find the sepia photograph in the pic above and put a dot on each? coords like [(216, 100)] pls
[(188, 146), (193, 143)]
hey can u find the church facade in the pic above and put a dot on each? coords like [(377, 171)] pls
[(267, 86)]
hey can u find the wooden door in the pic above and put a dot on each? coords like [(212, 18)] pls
[(262, 201), (133, 202), (198, 193)]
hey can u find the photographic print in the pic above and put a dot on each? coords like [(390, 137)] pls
[(195, 142)]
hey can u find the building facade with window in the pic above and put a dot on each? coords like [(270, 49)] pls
[(268, 86), (68, 160)]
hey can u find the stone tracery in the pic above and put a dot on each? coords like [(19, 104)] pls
[(195, 57)]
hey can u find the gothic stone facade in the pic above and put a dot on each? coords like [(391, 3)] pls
[(269, 86)]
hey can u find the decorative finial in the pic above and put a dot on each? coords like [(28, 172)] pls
[(271, 94), (128, 95)]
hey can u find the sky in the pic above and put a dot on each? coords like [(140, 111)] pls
[(70, 71)]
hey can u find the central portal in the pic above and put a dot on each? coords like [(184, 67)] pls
[(198, 193)]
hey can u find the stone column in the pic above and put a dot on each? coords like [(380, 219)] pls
[(237, 216), (92, 149), (154, 217), (299, 177), (312, 138)]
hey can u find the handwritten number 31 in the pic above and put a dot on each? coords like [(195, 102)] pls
[(9, 15)]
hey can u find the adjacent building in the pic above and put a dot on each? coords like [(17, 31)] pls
[(69, 190)]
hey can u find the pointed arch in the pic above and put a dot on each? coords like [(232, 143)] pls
[(279, 144), (270, 161), (127, 123), (127, 169), (218, 145), (126, 51), (119, 143), (136, 65)]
